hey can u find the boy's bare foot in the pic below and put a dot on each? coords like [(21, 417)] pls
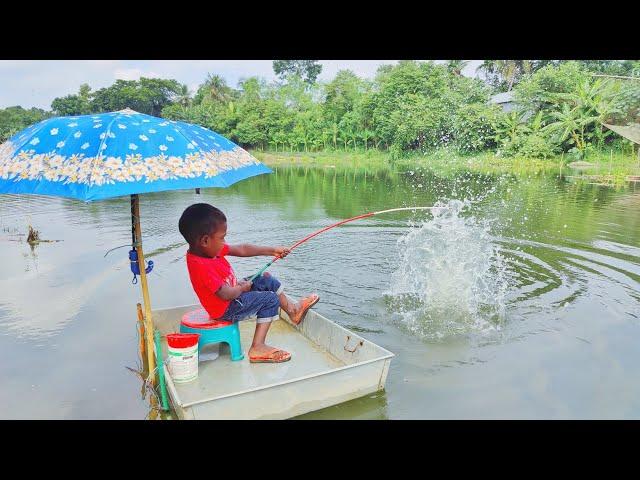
[(267, 354), (303, 307)]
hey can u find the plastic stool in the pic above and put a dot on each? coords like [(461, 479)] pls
[(212, 331)]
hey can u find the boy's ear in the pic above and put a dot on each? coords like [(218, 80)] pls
[(204, 241)]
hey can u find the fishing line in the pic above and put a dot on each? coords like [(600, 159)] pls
[(318, 232)]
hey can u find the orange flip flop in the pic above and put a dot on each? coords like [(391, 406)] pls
[(270, 357), (306, 305)]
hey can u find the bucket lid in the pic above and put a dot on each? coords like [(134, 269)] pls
[(182, 340)]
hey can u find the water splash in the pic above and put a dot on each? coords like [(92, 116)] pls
[(451, 278)]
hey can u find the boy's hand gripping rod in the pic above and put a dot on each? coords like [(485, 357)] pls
[(309, 237)]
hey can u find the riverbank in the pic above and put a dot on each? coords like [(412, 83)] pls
[(608, 168)]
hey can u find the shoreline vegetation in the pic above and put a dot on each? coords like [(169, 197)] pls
[(579, 116), (602, 167)]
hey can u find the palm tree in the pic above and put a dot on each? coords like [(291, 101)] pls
[(507, 70), (183, 97), (456, 66), (215, 88)]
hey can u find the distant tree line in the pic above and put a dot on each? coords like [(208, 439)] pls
[(409, 107)]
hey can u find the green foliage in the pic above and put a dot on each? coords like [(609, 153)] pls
[(14, 119), (578, 121), (612, 67), (79, 104), (474, 127), (502, 75), (412, 107), (625, 102), (342, 94), (518, 136), (539, 91), (214, 89), (147, 95), (532, 145), (306, 69)]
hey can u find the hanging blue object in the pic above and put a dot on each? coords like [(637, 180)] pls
[(135, 267), (93, 157)]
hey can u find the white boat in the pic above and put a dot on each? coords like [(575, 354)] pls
[(329, 365)]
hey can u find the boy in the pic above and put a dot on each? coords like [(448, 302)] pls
[(204, 227)]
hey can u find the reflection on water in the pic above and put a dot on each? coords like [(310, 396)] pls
[(522, 304)]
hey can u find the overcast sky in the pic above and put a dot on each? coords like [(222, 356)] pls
[(35, 83)]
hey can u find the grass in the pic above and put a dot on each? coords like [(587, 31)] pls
[(374, 159), (609, 167)]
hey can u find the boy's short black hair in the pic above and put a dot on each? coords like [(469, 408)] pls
[(199, 219)]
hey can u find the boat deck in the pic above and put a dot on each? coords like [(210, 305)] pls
[(328, 365)]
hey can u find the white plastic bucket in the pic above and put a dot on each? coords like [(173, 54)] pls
[(183, 356)]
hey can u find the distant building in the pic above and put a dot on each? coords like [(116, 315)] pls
[(505, 100)]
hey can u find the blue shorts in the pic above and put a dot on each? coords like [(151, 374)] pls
[(261, 301)]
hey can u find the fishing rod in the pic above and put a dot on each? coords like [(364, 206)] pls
[(309, 237)]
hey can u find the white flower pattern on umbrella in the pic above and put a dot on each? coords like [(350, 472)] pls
[(109, 165), (121, 126)]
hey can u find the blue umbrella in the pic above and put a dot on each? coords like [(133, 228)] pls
[(93, 157)]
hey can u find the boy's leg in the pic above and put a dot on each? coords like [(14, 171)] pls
[(267, 313), (265, 305), (259, 349), (267, 282)]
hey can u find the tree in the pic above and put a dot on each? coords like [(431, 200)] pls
[(308, 70), (456, 66), (342, 94), (539, 91), (183, 96), (504, 74), (147, 95), (79, 104), (14, 119), (214, 89), (612, 67)]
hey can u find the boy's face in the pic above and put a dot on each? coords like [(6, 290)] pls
[(212, 244)]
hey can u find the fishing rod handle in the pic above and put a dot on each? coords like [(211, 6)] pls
[(262, 270)]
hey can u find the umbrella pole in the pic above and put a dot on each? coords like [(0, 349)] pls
[(148, 323)]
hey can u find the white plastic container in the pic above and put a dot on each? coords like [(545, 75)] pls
[(183, 356)]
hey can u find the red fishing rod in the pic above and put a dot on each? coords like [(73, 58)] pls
[(337, 224)]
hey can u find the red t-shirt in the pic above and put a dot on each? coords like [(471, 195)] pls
[(207, 276)]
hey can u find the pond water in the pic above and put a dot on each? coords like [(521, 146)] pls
[(520, 298)]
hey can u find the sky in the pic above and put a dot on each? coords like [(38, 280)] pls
[(35, 83)]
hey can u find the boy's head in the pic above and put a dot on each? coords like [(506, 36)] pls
[(204, 227)]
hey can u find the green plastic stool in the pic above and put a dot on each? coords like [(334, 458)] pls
[(212, 331)]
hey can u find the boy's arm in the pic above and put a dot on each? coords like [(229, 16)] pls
[(225, 292), (249, 250)]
